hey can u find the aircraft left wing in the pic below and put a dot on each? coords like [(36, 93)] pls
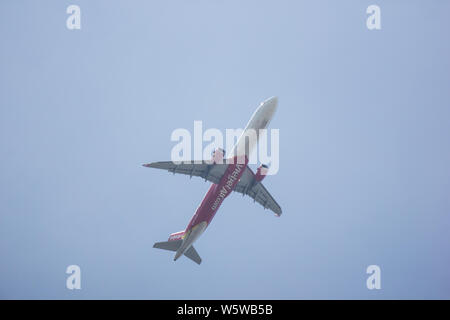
[(248, 185), (208, 171)]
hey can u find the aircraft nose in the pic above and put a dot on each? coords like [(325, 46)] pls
[(270, 105), (272, 100)]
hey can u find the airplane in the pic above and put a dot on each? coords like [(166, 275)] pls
[(226, 175)]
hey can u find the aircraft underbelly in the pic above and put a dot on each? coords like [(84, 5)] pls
[(217, 193), (190, 238)]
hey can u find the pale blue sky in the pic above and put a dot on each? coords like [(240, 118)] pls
[(364, 119)]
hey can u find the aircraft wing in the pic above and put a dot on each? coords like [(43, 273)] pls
[(208, 171), (248, 185)]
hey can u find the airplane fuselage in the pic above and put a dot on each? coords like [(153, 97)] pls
[(218, 192)]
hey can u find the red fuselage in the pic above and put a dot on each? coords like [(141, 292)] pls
[(217, 193)]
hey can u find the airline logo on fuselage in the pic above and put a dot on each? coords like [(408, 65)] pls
[(177, 236), (228, 187)]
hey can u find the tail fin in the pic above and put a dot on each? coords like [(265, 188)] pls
[(174, 243), (177, 235)]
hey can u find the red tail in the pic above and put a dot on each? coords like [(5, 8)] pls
[(176, 236)]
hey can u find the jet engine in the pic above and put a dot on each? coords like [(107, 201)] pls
[(218, 155), (261, 172)]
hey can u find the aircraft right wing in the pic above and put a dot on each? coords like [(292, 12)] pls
[(208, 171), (248, 185)]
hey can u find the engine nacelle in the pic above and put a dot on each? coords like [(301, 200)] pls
[(261, 172), (218, 155)]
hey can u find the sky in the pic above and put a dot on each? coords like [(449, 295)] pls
[(364, 123)]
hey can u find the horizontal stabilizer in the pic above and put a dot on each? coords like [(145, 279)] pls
[(192, 254), (168, 245)]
